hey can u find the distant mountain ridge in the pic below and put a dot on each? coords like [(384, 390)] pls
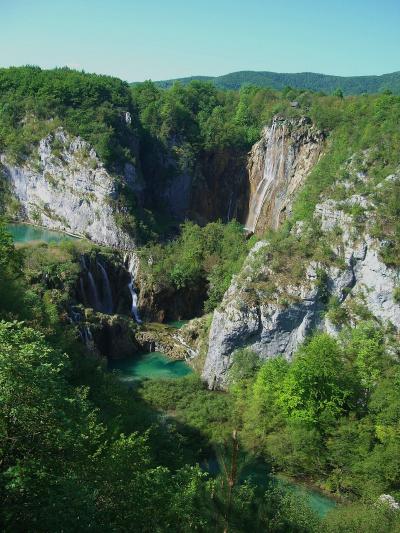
[(304, 80)]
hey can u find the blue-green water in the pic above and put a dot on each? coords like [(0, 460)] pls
[(258, 473), (318, 502), (177, 324), (153, 365), (24, 233)]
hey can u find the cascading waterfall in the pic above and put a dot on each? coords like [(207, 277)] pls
[(131, 262), (134, 309), (107, 303), (274, 162)]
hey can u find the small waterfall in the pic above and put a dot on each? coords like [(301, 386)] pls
[(134, 309), (83, 291), (86, 336), (274, 163), (107, 306), (85, 333), (132, 265), (94, 292)]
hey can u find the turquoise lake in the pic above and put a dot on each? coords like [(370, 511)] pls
[(152, 365), (24, 233), (177, 324)]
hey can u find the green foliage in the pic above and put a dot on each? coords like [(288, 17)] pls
[(199, 256), (35, 102), (316, 387), (396, 295), (336, 312), (338, 92), (332, 414), (245, 365), (192, 404), (363, 517)]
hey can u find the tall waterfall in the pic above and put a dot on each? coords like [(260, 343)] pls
[(132, 265), (107, 303), (273, 165)]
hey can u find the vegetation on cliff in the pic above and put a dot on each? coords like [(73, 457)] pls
[(34, 102)]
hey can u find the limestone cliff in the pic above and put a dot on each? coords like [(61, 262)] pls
[(272, 312), (277, 167), (64, 186)]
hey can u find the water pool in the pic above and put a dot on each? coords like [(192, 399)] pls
[(154, 365)]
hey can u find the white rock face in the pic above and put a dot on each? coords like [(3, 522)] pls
[(268, 329), (68, 189), (272, 329)]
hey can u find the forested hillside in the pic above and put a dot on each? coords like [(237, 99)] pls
[(350, 85)]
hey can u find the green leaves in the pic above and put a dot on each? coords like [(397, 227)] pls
[(199, 257)]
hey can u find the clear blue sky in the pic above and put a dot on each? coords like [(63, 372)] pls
[(159, 39)]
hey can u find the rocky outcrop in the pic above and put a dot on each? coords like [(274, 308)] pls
[(278, 165), (154, 337), (270, 324), (64, 186)]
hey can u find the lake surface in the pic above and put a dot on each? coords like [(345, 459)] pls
[(24, 233), (177, 324), (154, 365)]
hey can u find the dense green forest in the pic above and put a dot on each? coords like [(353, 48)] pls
[(311, 81)]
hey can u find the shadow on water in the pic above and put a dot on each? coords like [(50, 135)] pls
[(259, 474), (155, 365)]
